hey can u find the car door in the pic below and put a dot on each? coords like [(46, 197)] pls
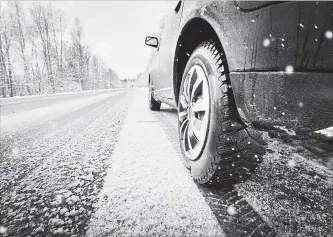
[(167, 48), (154, 74)]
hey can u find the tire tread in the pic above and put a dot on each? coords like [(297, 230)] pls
[(239, 147)]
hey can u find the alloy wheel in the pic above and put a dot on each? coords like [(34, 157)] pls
[(194, 112)]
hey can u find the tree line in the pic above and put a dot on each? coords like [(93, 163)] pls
[(43, 55)]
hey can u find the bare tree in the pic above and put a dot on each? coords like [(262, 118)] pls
[(42, 18), (18, 21), (6, 42), (36, 57)]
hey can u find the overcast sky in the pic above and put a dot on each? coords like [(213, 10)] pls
[(115, 30)]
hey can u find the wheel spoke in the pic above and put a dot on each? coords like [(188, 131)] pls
[(182, 115), (200, 105), (196, 129), (192, 80), (185, 90), (189, 134), (185, 138), (183, 102), (197, 86), (182, 127), (197, 123)]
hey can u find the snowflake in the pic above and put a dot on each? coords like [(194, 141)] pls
[(231, 210), (329, 34), (289, 69), (266, 42), (291, 163), (3, 229)]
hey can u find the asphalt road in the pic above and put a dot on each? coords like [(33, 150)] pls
[(101, 164)]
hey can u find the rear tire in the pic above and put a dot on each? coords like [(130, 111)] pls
[(153, 104), (230, 150)]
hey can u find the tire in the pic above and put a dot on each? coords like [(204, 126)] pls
[(229, 150), (153, 104)]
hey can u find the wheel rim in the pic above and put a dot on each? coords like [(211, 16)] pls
[(193, 112)]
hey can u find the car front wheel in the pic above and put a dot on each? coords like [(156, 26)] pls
[(216, 144)]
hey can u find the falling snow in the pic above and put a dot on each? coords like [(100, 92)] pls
[(289, 69), (231, 210), (3, 229), (266, 42), (329, 34), (291, 163)]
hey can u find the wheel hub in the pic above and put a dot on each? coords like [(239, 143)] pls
[(194, 112)]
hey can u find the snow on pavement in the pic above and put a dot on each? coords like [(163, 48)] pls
[(14, 122), (49, 184), (147, 190), (327, 132), (290, 192)]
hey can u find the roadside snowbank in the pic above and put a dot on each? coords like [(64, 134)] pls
[(29, 98), (16, 121)]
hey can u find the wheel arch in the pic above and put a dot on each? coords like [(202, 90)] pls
[(197, 30)]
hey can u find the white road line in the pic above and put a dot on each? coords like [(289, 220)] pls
[(147, 190)]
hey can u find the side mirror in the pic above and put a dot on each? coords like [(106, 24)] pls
[(151, 41)]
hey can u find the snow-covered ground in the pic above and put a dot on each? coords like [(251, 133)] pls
[(16, 121), (103, 164), (30, 98), (147, 190)]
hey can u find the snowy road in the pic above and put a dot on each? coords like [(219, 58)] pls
[(102, 164)]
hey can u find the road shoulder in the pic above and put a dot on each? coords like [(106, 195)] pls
[(147, 190)]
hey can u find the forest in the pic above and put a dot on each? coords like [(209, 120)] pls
[(41, 54)]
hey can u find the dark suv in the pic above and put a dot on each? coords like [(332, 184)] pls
[(227, 65)]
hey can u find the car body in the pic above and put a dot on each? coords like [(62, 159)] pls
[(280, 57)]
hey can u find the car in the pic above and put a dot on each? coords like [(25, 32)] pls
[(231, 67)]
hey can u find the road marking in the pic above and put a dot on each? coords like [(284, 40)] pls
[(147, 190)]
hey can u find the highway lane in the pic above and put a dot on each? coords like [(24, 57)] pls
[(103, 164)]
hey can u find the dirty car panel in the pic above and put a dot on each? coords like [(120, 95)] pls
[(294, 33)]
